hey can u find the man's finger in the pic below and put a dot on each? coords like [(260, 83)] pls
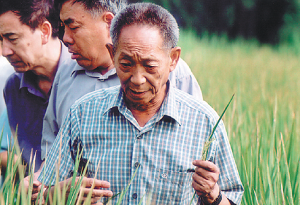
[(96, 192), (207, 165), (89, 182)]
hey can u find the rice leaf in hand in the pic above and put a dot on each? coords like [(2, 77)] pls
[(210, 140)]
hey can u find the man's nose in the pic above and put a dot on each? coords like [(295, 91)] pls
[(138, 76), (6, 49), (67, 38)]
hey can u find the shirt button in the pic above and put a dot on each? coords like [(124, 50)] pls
[(134, 195), (137, 164), (139, 137), (164, 176)]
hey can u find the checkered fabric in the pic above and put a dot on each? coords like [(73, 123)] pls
[(162, 150)]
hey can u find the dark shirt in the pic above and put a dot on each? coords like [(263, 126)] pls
[(26, 107)]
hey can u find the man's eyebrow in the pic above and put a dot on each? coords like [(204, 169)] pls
[(124, 55), (68, 21), (8, 34), (128, 56)]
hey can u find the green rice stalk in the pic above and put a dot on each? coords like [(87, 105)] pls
[(126, 189), (89, 196), (270, 183), (110, 198), (142, 199), (49, 188), (289, 193), (30, 174), (210, 140), (75, 187)]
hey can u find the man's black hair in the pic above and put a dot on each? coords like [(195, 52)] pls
[(33, 12)]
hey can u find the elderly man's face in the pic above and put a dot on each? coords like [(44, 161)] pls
[(86, 36), (143, 65), (20, 44)]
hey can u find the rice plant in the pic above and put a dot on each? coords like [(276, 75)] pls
[(263, 123)]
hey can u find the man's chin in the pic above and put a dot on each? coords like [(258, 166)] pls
[(86, 64), (20, 69), (136, 104)]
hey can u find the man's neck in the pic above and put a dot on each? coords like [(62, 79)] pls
[(49, 64), (104, 69), (143, 114)]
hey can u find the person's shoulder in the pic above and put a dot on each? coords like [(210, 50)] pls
[(104, 95), (194, 105), (13, 80), (12, 85), (182, 69), (67, 68)]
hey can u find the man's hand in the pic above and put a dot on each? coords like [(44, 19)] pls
[(36, 185), (205, 180), (88, 185)]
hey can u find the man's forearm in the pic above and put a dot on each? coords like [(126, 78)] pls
[(4, 159)]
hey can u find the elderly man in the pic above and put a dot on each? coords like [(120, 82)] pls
[(86, 34), (29, 37), (146, 124)]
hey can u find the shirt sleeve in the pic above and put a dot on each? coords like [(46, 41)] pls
[(183, 79), (59, 159), (50, 125)]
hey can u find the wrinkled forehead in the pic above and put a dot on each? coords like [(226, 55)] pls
[(142, 41), (141, 34)]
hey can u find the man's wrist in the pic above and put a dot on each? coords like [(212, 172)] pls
[(217, 201)]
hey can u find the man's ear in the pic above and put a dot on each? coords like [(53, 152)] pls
[(108, 17), (174, 57), (111, 51), (46, 29)]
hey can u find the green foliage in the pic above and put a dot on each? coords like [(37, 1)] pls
[(268, 21), (263, 122)]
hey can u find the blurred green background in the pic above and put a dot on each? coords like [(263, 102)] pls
[(267, 21)]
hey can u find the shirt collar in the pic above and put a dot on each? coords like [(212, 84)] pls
[(28, 80), (94, 74), (169, 106), (168, 109)]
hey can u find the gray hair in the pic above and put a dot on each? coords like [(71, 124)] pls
[(97, 7), (146, 14)]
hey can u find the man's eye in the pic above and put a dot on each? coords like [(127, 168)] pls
[(12, 39), (125, 64), (73, 28), (150, 67)]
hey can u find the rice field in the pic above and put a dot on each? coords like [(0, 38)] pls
[(262, 121)]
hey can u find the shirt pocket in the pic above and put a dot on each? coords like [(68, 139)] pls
[(169, 187)]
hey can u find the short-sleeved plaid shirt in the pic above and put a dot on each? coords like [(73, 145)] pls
[(163, 149)]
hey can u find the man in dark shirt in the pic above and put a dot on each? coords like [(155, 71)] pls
[(29, 37)]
